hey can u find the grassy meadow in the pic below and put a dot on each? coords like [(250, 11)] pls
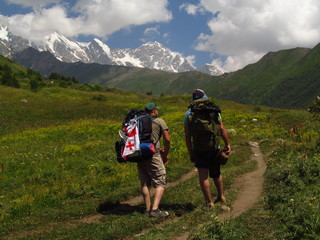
[(58, 166)]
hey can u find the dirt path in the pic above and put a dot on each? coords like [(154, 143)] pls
[(123, 206), (250, 185)]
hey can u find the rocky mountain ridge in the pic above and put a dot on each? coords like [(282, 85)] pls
[(151, 55)]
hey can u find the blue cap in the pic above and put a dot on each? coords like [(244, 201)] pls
[(198, 93)]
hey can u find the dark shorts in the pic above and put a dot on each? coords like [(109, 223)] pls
[(208, 160)]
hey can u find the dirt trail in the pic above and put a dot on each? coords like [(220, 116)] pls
[(133, 201), (250, 185), (97, 217)]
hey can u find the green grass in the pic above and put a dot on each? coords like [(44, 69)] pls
[(289, 207), (58, 163)]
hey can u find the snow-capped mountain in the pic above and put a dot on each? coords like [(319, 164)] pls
[(70, 51), (10, 44), (152, 55), (64, 49), (149, 55), (210, 69)]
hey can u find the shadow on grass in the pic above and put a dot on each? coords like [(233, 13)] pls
[(124, 209)]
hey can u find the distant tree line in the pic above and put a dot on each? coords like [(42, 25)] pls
[(8, 78), (314, 108), (57, 76)]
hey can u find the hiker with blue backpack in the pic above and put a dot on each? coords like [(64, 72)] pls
[(152, 171), (203, 129)]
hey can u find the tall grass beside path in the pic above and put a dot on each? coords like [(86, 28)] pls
[(58, 161)]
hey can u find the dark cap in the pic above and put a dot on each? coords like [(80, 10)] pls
[(151, 106), (198, 93)]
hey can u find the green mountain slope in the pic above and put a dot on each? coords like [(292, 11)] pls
[(141, 80), (254, 83), (287, 78), (16, 68)]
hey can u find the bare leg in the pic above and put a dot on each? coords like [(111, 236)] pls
[(157, 197), (205, 185), (146, 197), (219, 186)]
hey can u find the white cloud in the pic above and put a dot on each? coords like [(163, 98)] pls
[(166, 35), (93, 17), (191, 59), (33, 3), (36, 25), (192, 9), (150, 34), (105, 17), (152, 31), (245, 30)]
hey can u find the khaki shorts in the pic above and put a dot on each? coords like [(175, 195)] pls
[(152, 172)]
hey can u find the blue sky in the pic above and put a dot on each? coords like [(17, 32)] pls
[(226, 33)]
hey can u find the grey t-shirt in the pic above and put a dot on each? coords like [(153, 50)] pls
[(158, 126)]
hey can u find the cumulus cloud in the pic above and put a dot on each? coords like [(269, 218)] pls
[(37, 25), (105, 17), (192, 9), (151, 31), (150, 34), (92, 17), (245, 30), (33, 3)]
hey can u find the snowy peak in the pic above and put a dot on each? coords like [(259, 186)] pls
[(98, 52), (153, 44), (4, 33), (64, 49), (10, 44), (151, 55), (210, 69), (103, 46)]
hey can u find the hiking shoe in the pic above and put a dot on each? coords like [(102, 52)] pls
[(220, 200), (209, 205), (158, 213), (147, 212)]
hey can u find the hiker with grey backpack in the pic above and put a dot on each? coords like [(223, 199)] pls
[(203, 129), (153, 172), (140, 143)]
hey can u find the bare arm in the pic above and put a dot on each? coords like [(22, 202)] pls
[(225, 138), (166, 143), (188, 140)]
